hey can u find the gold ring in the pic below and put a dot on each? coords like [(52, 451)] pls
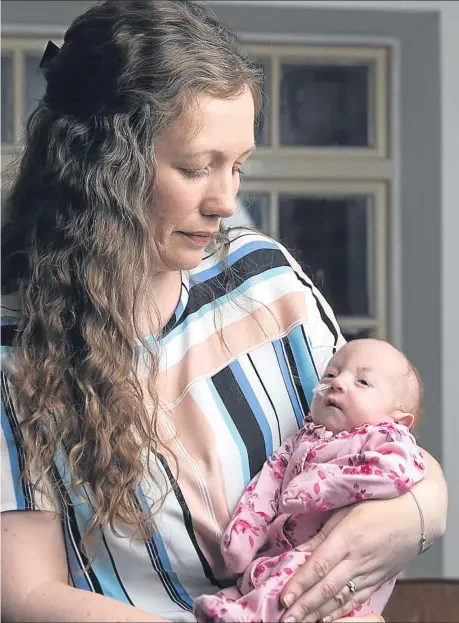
[(352, 586)]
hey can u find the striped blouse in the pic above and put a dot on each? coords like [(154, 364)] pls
[(226, 405)]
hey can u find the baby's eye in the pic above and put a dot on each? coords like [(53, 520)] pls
[(328, 375), (364, 382)]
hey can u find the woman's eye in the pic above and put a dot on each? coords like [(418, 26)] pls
[(328, 375), (194, 173)]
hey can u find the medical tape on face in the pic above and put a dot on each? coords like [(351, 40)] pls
[(320, 388)]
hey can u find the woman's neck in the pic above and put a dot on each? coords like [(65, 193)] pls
[(159, 302)]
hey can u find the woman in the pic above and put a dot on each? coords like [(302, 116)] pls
[(154, 359)]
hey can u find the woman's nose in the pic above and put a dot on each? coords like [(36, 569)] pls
[(221, 201)]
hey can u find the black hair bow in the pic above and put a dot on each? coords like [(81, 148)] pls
[(52, 50)]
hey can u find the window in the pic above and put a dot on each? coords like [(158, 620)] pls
[(320, 179), (23, 84)]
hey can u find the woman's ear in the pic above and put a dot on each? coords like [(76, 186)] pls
[(406, 419)]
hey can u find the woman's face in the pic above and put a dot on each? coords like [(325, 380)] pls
[(198, 158)]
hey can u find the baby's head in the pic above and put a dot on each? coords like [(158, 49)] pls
[(369, 381)]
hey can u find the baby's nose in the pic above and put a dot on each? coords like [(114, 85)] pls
[(338, 383)]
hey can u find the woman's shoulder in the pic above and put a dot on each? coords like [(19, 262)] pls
[(246, 254)]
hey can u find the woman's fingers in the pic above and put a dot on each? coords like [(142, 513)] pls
[(329, 595), (364, 619), (325, 558), (336, 609)]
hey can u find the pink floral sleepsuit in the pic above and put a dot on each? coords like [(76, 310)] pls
[(299, 486)]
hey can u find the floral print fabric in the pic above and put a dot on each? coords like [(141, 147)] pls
[(299, 486)]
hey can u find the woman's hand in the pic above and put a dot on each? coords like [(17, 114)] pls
[(366, 619), (367, 543)]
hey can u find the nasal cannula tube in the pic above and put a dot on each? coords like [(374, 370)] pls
[(321, 387)]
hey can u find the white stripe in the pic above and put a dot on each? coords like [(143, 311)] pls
[(180, 449), (260, 393), (256, 297), (134, 565), (11, 305), (265, 360), (8, 489), (226, 447), (10, 406)]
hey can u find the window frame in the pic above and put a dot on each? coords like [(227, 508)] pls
[(273, 169), (378, 110), (378, 192)]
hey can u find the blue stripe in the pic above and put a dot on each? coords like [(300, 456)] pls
[(101, 564), (223, 300), (288, 381), (14, 461), (304, 364), (233, 430), (179, 310), (9, 320), (233, 257), (164, 562), (251, 398)]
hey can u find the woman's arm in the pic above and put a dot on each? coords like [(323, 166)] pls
[(432, 496), (368, 543), (35, 576)]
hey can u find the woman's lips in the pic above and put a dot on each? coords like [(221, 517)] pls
[(200, 240)]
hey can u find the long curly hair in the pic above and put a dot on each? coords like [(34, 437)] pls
[(76, 245)]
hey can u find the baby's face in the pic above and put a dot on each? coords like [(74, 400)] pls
[(366, 387)]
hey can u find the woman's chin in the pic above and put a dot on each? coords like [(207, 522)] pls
[(183, 260)]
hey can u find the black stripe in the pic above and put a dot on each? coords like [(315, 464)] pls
[(189, 524), (291, 363), (290, 371), (255, 263), (157, 565), (111, 557), (8, 334), (72, 524), (268, 396), (17, 441), (306, 341), (242, 415), (232, 240), (325, 319)]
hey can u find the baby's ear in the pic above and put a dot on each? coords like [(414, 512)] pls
[(406, 419)]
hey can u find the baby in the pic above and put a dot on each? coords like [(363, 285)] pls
[(354, 446)]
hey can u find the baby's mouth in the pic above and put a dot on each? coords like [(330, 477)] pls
[(331, 402)]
